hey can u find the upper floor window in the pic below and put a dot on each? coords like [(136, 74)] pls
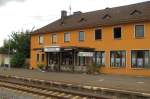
[(66, 37), (140, 58), (98, 34), (139, 30), (117, 33), (41, 39), (117, 58), (54, 38), (81, 36)]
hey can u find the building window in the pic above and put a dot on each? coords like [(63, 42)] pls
[(82, 61), (117, 58), (81, 36), (66, 37), (99, 58), (117, 33), (43, 58), (98, 34), (37, 57), (54, 38), (140, 58), (41, 39), (139, 30)]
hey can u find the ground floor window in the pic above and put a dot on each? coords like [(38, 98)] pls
[(43, 57), (67, 58), (140, 58), (117, 58), (99, 58), (82, 61), (84, 58), (37, 57)]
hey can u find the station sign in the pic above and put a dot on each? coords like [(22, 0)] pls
[(86, 54), (52, 49)]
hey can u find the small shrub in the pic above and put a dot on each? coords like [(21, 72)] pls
[(41, 66), (94, 68)]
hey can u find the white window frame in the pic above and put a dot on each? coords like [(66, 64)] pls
[(131, 57), (104, 57), (52, 38), (135, 30), (68, 38), (41, 41), (125, 59), (79, 36)]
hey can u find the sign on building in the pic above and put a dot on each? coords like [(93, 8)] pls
[(51, 49), (86, 54)]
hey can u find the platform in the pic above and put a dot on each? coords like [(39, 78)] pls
[(119, 82)]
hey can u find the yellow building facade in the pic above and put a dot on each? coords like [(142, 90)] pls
[(119, 48)]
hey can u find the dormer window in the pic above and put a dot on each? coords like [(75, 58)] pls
[(62, 23), (106, 16), (135, 12), (82, 20)]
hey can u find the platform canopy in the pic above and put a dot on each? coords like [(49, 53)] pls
[(66, 48)]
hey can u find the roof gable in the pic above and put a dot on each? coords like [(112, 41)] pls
[(106, 16), (135, 12)]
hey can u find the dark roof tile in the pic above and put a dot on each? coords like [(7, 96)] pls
[(118, 15)]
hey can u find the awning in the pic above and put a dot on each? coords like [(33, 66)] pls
[(66, 48)]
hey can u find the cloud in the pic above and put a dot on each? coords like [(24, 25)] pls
[(3, 2)]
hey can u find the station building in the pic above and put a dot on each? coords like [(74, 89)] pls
[(116, 39)]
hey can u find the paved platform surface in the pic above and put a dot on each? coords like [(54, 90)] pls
[(121, 82)]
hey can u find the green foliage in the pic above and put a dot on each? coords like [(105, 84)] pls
[(94, 68), (41, 66), (19, 44), (2, 63), (18, 60)]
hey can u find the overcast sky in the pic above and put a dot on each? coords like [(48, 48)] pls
[(18, 15)]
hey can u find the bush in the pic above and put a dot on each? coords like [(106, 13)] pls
[(94, 68), (2, 63), (41, 66), (18, 60)]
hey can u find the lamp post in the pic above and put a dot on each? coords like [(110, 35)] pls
[(9, 66)]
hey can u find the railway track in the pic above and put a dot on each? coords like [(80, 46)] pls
[(62, 90), (46, 94)]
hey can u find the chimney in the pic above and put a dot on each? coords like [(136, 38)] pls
[(77, 13), (63, 14)]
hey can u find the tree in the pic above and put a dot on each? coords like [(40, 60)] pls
[(18, 60), (19, 44), (5, 47)]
